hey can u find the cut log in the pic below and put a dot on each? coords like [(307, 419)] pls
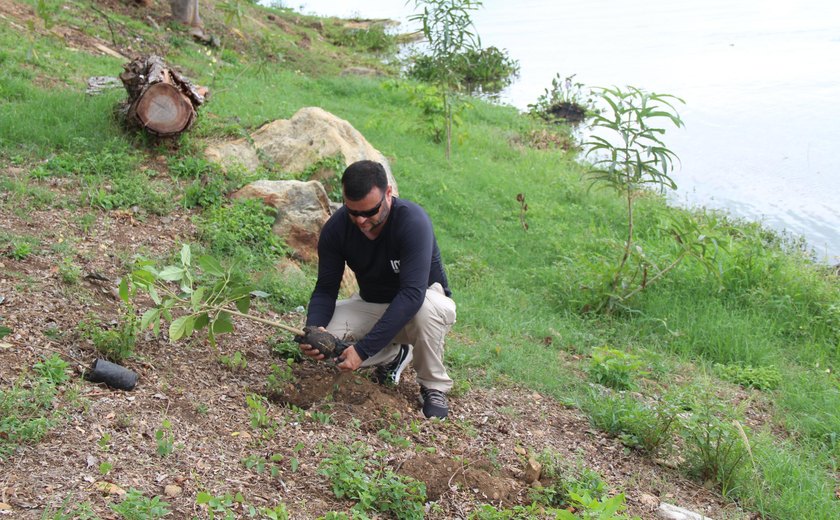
[(160, 100)]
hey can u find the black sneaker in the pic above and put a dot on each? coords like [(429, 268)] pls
[(390, 374), (434, 403)]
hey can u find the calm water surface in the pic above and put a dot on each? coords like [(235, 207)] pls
[(761, 81)]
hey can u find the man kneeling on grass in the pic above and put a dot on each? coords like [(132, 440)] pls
[(403, 308)]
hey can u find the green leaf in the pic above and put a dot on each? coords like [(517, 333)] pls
[(124, 289), (201, 321), (151, 315), (222, 323), (143, 278), (4, 331), (179, 328), (185, 255), (210, 265), (172, 273), (197, 297), (243, 304), (153, 294)]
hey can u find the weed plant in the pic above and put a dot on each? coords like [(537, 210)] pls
[(614, 368), (71, 509), (235, 362), (165, 439), (52, 369), (761, 378), (285, 348), (242, 231), (717, 445), (136, 506), (116, 344), (26, 414), (28, 408), (17, 247), (353, 475)]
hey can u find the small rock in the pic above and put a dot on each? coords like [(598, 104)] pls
[(649, 501), (109, 488), (5, 507), (520, 450), (532, 470), (672, 512), (172, 490)]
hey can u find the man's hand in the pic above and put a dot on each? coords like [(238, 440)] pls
[(318, 343), (349, 359), (310, 351)]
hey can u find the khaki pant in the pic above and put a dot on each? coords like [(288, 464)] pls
[(354, 317)]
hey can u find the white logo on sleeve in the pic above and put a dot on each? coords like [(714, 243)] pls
[(395, 265)]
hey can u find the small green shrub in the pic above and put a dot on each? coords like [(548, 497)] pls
[(374, 38), (260, 465), (16, 247), (165, 439), (717, 446), (70, 273), (283, 347), (354, 476), (135, 506), (189, 167), (647, 427), (280, 377), (535, 510), (26, 414), (116, 344), (564, 481), (328, 171), (20, 250), (258, 411), (236, 362), (760, 378), (614, 368), (487, 70), (53, 369), (209, 182), (243, 231), (220, 506)]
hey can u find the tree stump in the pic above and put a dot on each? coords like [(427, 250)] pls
[(160, 100)]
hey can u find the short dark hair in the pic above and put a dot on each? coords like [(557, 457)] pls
[(361, 177)]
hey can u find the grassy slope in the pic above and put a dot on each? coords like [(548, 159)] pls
[(514, 287)]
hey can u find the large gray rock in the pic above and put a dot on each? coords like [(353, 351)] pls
[(302, 208), (295, 144)]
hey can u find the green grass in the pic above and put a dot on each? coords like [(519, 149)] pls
[(520, 293)]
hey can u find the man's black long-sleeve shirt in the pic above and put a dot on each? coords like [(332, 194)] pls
[(396, 268)]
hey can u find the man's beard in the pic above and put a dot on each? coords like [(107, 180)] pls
[(385, 212)]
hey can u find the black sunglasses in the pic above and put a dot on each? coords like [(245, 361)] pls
[(367, 213)]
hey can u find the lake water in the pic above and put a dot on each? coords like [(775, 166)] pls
[(761, 81)]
